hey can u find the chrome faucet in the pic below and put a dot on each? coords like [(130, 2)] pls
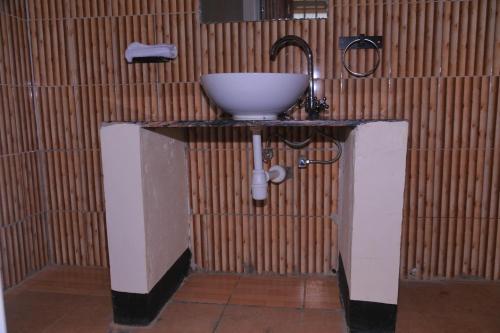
[(313, 105)]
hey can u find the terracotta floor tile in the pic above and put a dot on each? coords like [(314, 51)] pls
[(322, 293), (448, 307), (70, 280), (269, 291), (413, 322), (67, 299), (94, 314), (315, 320), (446, 322), (207, 288), (250, 319), (456, 297), (30, 311), (187, 318)]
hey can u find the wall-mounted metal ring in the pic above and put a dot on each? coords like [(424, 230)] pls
[(350, 45)]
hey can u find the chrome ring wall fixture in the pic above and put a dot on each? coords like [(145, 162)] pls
[(350, 45)]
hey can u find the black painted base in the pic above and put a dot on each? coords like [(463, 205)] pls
[(141, 309), (364, 316)]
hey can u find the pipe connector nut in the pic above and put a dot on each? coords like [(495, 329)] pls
[(303, 162)]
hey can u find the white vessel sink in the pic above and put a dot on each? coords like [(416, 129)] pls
[(254, 96)]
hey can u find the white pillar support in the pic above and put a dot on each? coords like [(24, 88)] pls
[(372, 178), (147, 212), (3, 324)]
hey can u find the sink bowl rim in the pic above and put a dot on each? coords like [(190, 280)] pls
[(254, 73), (264, 102)]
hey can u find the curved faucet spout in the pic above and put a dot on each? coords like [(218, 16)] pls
[(297, 41)]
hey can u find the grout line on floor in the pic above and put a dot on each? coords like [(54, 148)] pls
[(51, 326), (304, 294), (225, 305), (261, 306), (288, 308), (220, 318)]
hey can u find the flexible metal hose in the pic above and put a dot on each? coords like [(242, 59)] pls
[(303, 161), (339, 150), (331, 161), (295, 145)]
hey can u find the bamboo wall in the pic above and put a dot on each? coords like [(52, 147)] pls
[(440, 70), (22, 235)]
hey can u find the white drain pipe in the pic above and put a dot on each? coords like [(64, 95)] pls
[(260, 177)]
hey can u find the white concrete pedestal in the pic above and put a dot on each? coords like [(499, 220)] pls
[(372, 178), (146, 192), (146, 195)]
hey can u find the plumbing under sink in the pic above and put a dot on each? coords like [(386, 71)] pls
[(263, 96), (260, 177), (256, 96)]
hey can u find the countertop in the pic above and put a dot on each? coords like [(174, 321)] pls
[(253, 123)]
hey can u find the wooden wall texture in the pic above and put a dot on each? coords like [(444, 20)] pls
[(440, 70), (23, 247)]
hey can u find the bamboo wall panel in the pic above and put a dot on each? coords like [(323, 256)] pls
[(439, 70), (23, 247), (15, 8)]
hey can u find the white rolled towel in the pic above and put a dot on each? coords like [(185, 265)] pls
[(137, 52)]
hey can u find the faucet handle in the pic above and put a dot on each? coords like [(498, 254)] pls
[(285, 116), (320, 105)]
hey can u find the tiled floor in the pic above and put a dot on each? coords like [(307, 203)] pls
[(455, 307), (68, 299), (262, 303), (60, 299)]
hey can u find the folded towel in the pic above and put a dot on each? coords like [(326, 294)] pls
[(137, 52)]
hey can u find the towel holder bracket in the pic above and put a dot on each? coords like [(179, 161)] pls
[(363, 42)]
